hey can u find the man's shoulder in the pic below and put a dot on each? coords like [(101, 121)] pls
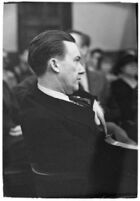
[(33, 112), (37, 104)]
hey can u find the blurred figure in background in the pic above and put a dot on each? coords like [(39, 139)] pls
[(13, 146), (8, 76), (95, 82), (94, 58), (125, 91), (106, 67), (10, 105), (22, 70)]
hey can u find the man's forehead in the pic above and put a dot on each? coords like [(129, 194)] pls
[(72, 48)]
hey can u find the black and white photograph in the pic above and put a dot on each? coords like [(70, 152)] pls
[(69, 99)]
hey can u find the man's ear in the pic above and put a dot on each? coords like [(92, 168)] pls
[(54, 65)]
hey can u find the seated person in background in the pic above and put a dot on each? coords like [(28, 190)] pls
[(13, 145), (121, 92), (8, 75), (10, 104), (94, 58), (10, 113), (125, 91), (22, 70), (112, 111), (106, 67)]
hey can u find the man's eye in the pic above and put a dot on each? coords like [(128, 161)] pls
[(77, 60)]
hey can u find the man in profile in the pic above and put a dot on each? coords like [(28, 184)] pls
[(60, 134), (65, 146)]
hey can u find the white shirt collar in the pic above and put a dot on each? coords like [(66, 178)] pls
[(54, 94)]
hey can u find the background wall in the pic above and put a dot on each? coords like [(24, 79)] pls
[(10, 27), (111, 26)]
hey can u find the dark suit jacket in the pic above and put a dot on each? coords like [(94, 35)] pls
[(63, 140)]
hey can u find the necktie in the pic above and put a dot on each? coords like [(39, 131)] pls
[(79, 101), (99, 115)]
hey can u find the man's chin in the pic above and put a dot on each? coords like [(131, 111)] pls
[(73, 90), (76, 88)]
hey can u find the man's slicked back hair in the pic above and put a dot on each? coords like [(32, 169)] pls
[(44, 46)]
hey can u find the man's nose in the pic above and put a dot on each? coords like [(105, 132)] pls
[(82, 69)]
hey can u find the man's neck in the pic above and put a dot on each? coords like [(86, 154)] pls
[(54, 86)]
